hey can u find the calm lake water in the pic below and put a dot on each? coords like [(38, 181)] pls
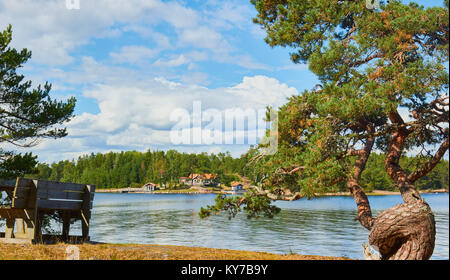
[(320, 226)]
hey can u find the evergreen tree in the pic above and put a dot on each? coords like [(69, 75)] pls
[(372, 65), (26, 114)]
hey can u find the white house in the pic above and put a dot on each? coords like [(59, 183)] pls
[(150, 187), (195, 179)]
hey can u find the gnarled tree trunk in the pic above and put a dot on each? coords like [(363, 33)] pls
[(404, 232)]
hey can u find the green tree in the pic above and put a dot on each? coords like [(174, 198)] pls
[(161, 165), (44, 171), (26, 114), (372, 65)]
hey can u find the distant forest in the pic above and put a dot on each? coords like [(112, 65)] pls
[(134, 169)]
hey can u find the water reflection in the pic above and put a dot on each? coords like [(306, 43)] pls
[(322, 226)]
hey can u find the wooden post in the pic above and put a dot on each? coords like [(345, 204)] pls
[(37, 221), (20, 228), (30, 229), (9, 228), (84, 227), (38, 226), (66, 225), (86, 212)]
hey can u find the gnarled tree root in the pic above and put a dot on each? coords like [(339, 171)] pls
[(404, 232)]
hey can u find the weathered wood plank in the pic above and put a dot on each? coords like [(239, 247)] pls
[(50, 185), (16, 213), (20, 203), (59, 204), (43, 193), (21, 192), (7, 183), (24, 193)]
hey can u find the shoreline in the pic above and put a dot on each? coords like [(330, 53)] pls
[(372, 193), (105, 251)]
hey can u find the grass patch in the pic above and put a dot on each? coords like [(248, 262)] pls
[(141, 252)]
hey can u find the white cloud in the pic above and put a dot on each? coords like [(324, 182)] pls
[(178, 61), (161, 40), (151, 104), (133, 54), (263, 91), (258, 32), (138, 117), (53, 36), (228, 14), (204, 37), (55, 33), (244, 61), (293, 66), (134, 106), (195, 78), (90, 71)]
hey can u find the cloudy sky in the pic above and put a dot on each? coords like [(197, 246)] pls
[(132, 63)]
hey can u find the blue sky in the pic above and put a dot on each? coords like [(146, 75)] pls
[(130, 63)]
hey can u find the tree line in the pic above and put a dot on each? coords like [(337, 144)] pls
[(134, 169)]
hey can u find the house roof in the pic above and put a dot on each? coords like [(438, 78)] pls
[(194, 175), (236, 184), (202, 176), (210, 176)]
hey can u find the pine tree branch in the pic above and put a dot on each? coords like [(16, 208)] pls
[(429, 165)]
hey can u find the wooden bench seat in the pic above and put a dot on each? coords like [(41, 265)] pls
[(32, 199)]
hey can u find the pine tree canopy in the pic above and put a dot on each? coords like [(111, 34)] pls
[(383, 85), (26, 114)]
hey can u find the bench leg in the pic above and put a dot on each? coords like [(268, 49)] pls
[(37, 234), (9, 228), (85, 232), (66, 225), (29, 229), (85, 226), (20, 228)]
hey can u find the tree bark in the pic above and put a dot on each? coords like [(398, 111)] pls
[(406, 231), (362, 202)]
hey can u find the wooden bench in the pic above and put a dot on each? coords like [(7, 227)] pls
[(32, 199)]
